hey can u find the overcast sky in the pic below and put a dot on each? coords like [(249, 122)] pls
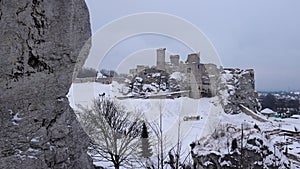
[(259, 34)]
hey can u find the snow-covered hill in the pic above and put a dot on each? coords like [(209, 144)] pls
[(174, 111), (205, 123), (255, 146)]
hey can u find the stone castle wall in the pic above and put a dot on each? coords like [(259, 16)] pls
[(205, 80), (202, 79)]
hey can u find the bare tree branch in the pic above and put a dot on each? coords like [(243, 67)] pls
[(114, 131)]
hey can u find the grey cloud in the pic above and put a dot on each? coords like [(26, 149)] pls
[(252, 33)]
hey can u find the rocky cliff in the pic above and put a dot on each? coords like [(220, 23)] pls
[(237, 89), (231, 146), (39, 46)]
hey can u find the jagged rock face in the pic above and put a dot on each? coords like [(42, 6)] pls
[(40, 42), (255, 154), (238, 87), (250, 159)]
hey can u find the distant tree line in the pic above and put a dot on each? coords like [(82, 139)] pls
[(108, 73), (280, 104), (90, 72), (87, 72)]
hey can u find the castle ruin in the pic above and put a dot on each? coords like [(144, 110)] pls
[(202, 78)]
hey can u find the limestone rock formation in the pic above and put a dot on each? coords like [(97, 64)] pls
[(231, 147), (39, 46), (237, 88)]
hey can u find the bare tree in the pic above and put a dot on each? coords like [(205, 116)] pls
[(170, 157), (157, 128), (159, 145), (114, 132)]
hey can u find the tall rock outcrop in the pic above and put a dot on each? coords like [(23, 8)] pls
[(232, 146), (39, 45), (237, 88)]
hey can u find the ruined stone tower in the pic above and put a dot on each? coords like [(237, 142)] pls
[(161, 55), (193, 69), (174, 60)]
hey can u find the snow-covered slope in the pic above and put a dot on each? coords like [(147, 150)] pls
[(175, 112), (204, 122), (217, 151)]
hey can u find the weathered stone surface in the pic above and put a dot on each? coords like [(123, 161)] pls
[(238, 87), (256, 153), (40, 42)]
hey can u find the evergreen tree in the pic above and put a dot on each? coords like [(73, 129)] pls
[(234, 144), (146, 150)]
